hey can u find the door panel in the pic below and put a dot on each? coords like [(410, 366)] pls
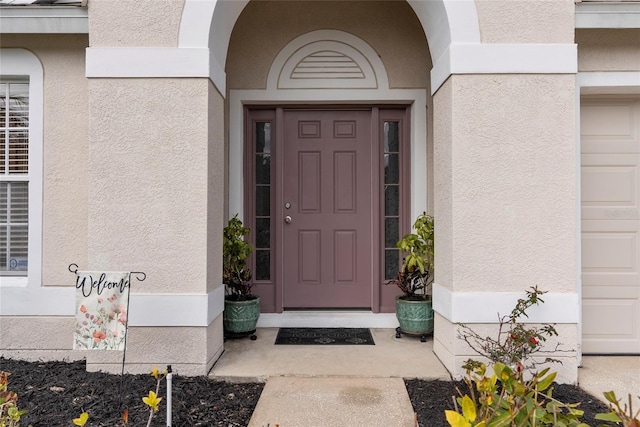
[(326, 170), (610, 187)]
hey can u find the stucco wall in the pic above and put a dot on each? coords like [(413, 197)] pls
[(38, 338), (66, 151), (189, 350), (391, 28), (148, 180), (126, 23), (216, 200), (526, 21), (512, 183), (608, 50)]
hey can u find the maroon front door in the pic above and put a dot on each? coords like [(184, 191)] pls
[(327, 225)]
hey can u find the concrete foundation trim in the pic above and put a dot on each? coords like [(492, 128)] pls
[(485, 307), (504, 59), (144, 309)]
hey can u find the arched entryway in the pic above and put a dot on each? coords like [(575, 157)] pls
[(445, 22), (351, 76)]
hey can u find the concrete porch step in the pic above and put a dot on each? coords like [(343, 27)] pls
[(407, 357)]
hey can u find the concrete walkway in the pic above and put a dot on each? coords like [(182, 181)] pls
[(338, 386), (336, 402), (605, 373), (347, 386)]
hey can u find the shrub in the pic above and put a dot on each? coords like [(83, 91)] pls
[(9, 412), (505, 399)]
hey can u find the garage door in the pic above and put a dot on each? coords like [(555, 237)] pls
[(610, 156)]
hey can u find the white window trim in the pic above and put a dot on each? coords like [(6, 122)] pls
[(21, 62)]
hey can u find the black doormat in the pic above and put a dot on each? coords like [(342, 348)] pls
[(325, 336)]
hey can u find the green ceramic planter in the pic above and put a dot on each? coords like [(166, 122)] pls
[(415, 317), (241, 316)]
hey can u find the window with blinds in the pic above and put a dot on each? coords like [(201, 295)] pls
[(14, 177)]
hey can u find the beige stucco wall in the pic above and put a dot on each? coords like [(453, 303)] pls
[(259, 35), (608, 50), (148, 175), (126, 23), (217, 185), (505, 194), (510, 168), (37, 338), (526, 21), (66, 150), (189, 350)]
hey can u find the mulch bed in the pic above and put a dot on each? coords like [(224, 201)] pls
[(431, 398), (54, 393)]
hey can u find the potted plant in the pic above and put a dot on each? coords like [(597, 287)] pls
[(414, 309), (241, 308)]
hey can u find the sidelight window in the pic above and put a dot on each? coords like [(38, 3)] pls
[(262, 182)]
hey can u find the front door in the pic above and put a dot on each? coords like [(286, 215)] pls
[(327, 197)]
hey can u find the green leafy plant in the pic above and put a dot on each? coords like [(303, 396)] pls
[(235, 275), (620, 415), (416, 273), (9, 412), (506, 399), (515, 342)]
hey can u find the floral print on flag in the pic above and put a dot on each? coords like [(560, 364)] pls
[(101, 310)]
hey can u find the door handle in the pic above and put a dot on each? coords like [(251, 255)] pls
[(287, 219)]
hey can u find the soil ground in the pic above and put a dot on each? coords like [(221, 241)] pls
[(53, 393)]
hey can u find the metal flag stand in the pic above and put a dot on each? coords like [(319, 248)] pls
[(139, 276)]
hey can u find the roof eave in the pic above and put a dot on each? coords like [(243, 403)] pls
[(44, 20), (608, 14)]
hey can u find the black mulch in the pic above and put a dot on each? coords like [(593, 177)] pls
[(431, 398), (54, 393)]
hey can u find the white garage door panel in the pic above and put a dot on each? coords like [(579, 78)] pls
[(597, 291), (608, 126), (609, 185), (610, 194), (615, 252), (600, 319)]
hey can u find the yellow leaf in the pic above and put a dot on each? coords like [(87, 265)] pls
[(468, 409), (154, 372), (456, 420), (81, 420)]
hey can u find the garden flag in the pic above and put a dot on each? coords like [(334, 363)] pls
[(101, 310)]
